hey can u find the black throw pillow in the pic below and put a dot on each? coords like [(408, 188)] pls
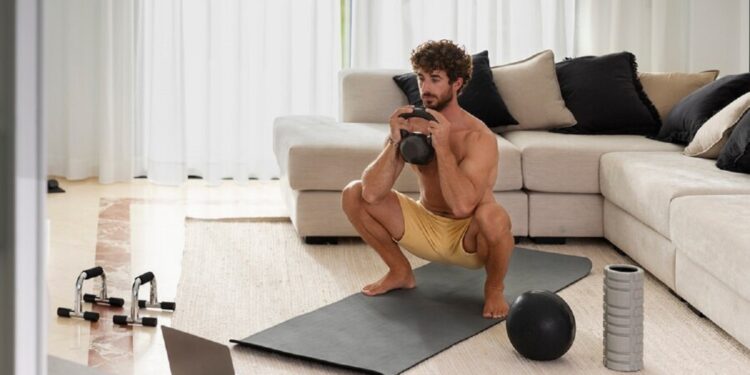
[(694, 110), (605, 96), (480, 97), (735, 156), (408, 83)]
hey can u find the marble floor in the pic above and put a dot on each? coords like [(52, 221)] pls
[(129, 229)]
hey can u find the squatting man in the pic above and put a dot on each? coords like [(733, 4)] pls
[(456, 219)]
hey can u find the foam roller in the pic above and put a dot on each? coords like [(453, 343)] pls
[(623, 317)]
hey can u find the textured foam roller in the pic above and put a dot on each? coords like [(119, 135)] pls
[(623, 317)]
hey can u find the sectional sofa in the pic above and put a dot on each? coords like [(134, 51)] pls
[(681, 218)]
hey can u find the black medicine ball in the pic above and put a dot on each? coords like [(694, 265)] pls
[(541, 325)]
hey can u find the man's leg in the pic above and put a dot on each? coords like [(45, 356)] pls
[(489, 235), (378, 224)]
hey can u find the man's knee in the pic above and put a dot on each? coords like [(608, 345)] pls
[(351, 196), (494, 224)]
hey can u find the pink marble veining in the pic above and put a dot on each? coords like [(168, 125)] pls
[(111, 347)]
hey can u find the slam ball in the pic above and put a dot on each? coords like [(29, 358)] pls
[(541, 325)]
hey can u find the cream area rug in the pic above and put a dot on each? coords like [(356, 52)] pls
[(242, 276)]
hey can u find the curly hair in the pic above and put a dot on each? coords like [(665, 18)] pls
[(443, 55)]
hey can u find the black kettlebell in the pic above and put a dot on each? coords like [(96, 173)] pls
[(416, 147)]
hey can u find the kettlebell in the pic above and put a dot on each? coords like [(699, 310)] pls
[(416, 147)]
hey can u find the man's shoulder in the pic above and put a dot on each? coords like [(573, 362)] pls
[(478, 131), (477, 125)]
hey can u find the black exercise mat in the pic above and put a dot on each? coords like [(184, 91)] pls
[(393, 332)]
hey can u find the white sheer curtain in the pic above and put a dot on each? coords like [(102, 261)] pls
[(665, 35), (385, 31), (171, 88), (88, 88), (656, 31), (217, 73)]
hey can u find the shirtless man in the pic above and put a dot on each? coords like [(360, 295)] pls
[(456, 219)]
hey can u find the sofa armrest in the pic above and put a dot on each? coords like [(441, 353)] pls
[(300, 125), (369, 95)]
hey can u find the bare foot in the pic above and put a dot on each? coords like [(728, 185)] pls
[(495, 306), (392, 280)]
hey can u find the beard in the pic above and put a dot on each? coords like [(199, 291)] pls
[(439, 102)]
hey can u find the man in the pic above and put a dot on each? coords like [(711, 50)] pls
[(456, 219)]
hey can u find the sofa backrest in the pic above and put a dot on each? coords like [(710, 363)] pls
[(369, 95)]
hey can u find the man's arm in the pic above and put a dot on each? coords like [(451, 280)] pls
[(463, 185), (379, 177)]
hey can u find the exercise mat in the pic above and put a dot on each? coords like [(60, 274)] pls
[(393, 332)]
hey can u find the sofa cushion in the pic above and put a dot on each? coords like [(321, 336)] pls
[(645, 183), (695, 109), (318, 153), (409, 85), (713, 135), (735, 156), (369, 95), (605, 96), (666, 89), (569, 163), (530, 89), (712, 231)]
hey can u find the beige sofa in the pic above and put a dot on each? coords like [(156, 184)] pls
[(681, 218)]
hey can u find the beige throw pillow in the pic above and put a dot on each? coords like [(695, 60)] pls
[(665, 90), (532, 94), (713, 135)]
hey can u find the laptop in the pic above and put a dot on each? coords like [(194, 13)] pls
[(192, 355), (59, 366)]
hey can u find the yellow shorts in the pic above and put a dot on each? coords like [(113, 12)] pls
[(434, 237)]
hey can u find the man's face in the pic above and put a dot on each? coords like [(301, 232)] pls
[(435, 89)]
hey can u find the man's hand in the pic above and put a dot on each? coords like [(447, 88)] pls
[(440, 131), (397, 123)]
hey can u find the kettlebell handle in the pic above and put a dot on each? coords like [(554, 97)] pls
[(420, 112), (405, 133)]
